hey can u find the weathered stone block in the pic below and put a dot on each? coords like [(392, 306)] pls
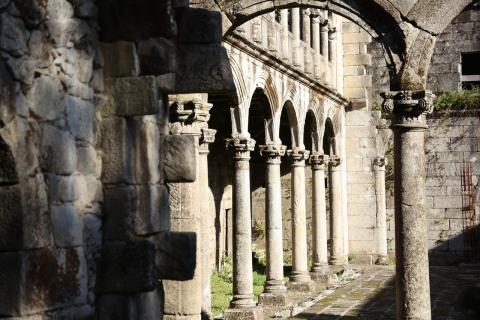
[(67, 226), (180, 158), (58, 151), (37, 280), (176, 258), (127, 267), (356, 37), (47, 94), (157, 56), (135, 96), (146, 143), (357, 59), (199, 26), (121, 59), (145, 305), (135, 210), (80, 118), (87, 161), (255, 313), (8, 170), (11, 220), (116, 149)]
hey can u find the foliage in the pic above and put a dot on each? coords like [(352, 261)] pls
[(258, 230), (459, 100)]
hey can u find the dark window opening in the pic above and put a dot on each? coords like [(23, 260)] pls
[(470, 70)]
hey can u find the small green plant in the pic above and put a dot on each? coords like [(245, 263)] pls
[(258, 230), (458, 100)]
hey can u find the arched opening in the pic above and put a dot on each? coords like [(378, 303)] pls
[(329, 139)]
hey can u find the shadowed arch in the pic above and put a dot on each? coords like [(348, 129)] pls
[(329, 145), (311, 134), (289, 125)]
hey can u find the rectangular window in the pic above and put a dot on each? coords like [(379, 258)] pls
[(470, 69)]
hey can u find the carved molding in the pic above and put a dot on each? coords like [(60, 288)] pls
[(272, 153), (241, 147)]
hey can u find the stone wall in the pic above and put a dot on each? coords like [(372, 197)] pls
[(451, 142)]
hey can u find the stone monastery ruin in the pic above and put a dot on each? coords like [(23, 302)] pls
[(145, 142)]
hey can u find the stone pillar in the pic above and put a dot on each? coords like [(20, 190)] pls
[(332, 54), (319, 214), (207, 217), (306, 27), (381, 223), (337, 256), (300, 275), (284, 35), (316, 44), (296, 34), (324, 38), (411, 247), (242, 305), (274, 293), (190, 114)]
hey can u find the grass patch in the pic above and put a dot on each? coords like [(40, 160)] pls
[(222, 283)]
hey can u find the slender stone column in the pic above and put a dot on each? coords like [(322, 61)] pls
[(381, 230), (332, 54), (411, 247), (284, 35), (300, 272), (307, 40), (324, 38), (274, 293), (316, 43), (208, 222), (242, 305), (319, 214), (296, 33), (337, 256)]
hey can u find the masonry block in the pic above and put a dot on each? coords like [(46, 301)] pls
[(176, 255), (180, 158), (157, 56), (135, 96), (121, 59), (146, 143), (37, 280), (127, 267), (8, 171), (199, 26), (67, 225), (116, 149), (357, 59), (356, 37), (11, 219), (145, 306), (135, 211)]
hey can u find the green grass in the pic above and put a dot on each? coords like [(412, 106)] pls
[(222, 284)]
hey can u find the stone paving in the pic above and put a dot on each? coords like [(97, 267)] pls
[(454, 296)]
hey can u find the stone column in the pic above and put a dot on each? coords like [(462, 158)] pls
[(284, 35), (207, 217), (189, 116), (316, 43), (381, 223), (319, 215), (242, 305), (300, 277), (337, 256), (274, 293), (296, 22), (332, 54), (324, 38), (306, 27), (411, 247)]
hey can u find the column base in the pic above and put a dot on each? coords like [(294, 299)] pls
[(304, 287), (180, 317), (382, 260), (299, 277), (273, 298), (254, 313), (242, 302), (338, 261)]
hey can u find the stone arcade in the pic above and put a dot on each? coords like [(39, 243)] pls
[(140, 140)]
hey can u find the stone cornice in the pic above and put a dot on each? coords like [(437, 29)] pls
[(275, 62)]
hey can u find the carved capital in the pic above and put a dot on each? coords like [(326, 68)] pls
[(241, 147), (318, 161), (334, 161), (272, 153), (409, 108), (380, 161), (298, 156), (188, 116), (332, 33), (207, 137)]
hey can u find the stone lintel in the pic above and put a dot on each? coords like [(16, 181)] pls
[(253, 313)]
